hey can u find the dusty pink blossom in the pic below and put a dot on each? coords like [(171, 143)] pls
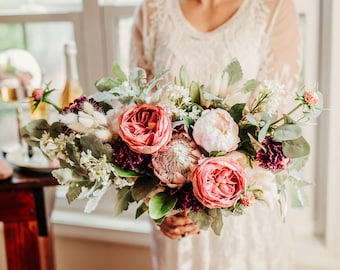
[(145, 128), (248, 199), (173, 164), (218, 182), (311, 98), (37, 94)]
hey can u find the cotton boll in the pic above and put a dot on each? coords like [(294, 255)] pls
[(99, 118), (103, 134), (88, 108), (88, 123), (69, 118)]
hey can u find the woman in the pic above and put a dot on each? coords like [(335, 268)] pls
[(204, 36)]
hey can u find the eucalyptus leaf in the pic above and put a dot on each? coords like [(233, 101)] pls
[(122, 200), (252, 119), (288, 119), (250, 85), (263, 131), (299, 163), (287, 132), (161, 204), (143, 186), (234, 71), (296, 148)]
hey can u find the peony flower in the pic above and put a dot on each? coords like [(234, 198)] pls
[(272, 158), (218, 182), (173, 165), (145, 128), (217, 131)]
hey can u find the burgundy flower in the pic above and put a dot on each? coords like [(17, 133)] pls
[(186, 199), (272, 158), (125, 158), (77, 105)]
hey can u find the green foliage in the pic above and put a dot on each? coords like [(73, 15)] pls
[(123, 199), (73, 193), (296, 148), (287, 132), (234, 71), (96, 146), (141, 210), (34, 130), (236, 111), (143, 186), (161, 204)]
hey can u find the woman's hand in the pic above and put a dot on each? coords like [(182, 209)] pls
[(6, 170), (175, 227)]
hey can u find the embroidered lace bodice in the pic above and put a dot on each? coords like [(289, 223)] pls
[(263, 36)]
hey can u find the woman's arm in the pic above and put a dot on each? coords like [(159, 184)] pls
[(281, 60)]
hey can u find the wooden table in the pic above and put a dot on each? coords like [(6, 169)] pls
[(24, 211)]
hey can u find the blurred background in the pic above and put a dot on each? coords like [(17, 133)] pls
[(100, 30)]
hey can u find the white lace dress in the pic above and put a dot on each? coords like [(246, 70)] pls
[(263, 36)]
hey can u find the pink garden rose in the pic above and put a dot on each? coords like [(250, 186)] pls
[(218, 182), (145, 128)]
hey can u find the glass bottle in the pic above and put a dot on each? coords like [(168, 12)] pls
[(72, 89)]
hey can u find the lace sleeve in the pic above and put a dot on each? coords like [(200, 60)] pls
[(140, 46), (281, 61)]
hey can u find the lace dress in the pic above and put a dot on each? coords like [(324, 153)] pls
[(263, 36)]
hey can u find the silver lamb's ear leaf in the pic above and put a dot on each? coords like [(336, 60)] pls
[(118, 73), (234, 71)]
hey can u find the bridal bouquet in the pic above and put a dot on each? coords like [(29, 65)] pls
[(171, 147)]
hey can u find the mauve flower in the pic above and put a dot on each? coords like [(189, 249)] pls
[(145, 128), (125, 158), (272, 158), (173, 164), (218, 182), (37, 94), (186, 199), (217, 131)]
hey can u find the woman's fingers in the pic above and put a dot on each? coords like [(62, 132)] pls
[(175, 227), (6, 170)]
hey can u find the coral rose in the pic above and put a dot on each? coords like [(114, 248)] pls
[(217, 131), (218, 182), (145, 128)]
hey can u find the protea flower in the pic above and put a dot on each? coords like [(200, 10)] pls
[(173, 165)]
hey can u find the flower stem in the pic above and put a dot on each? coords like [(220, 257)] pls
[(291, 112), (53, 105)]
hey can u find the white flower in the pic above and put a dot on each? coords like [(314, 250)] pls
[(216, 130)]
